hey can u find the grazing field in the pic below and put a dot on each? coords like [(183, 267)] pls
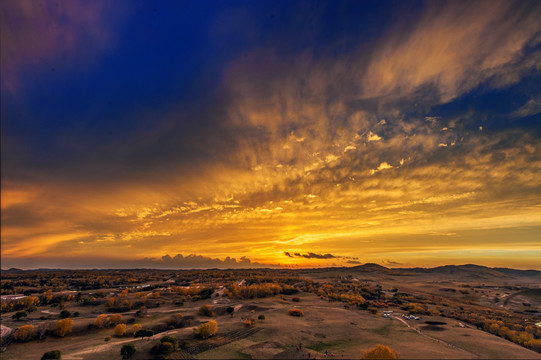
[(342, 312)]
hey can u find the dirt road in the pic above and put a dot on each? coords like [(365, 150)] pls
[(5, 331)]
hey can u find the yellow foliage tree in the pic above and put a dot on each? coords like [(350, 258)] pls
[(208, 329), (380, 352), (25, 333), (120, 329), (115, 319), (136, 327), (101, 321), (63, 327)]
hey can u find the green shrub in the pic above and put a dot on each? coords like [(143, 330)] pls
[(127, 351)]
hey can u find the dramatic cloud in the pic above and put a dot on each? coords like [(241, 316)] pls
[(58, 34), (349, 147)]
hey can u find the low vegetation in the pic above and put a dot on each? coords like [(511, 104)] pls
[(295, 312), (208, 329), (380, 352)]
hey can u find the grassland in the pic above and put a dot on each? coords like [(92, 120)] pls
[(336, 327)]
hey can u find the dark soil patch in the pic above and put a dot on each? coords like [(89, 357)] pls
[(432, 328), (435, 323), (256, 308)]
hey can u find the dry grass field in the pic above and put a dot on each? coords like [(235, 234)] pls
[(261, 325), (325, 326)]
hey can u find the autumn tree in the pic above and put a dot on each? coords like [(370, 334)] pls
[(135, 328), (380, 352), (120, 329), (25, 333), (115, 319), (63, 327), (101, 321), (208, 329)]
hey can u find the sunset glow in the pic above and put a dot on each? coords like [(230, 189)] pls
[(297, 134)]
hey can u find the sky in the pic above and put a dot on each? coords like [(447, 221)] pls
[(185, 134)]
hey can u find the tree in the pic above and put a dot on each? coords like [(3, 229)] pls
[(170, 339), (163, 348), (25, 333), (144, 333), (115, 319), (208, 329), (65, 314), (101, 321), (120, 329), (206, 310), (63, 327), (135, 328), (127, 351), (19, 314), (230, 310), (380, 352), (176, 320), (52, 355)]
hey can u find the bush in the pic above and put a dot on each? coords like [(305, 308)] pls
[(295, 312), (261, 317), (176, 320), (107, 338), (120, 329), (206, 310), (144, 333), (170, 339), (101, 321), (380, 352), (52, 355), (63, 327), (164, 348), (25, 333), (127, 351), (208, 329), (135, 328), (296, 299), (65, 314), (19, 314), (115, 319), (249, 322), (230, 310)]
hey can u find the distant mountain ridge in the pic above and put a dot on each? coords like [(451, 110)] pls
[(471, 270)]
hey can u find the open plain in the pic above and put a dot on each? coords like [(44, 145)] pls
[(460, 312)]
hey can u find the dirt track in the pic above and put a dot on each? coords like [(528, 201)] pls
[(5, 331), (432, 337)]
